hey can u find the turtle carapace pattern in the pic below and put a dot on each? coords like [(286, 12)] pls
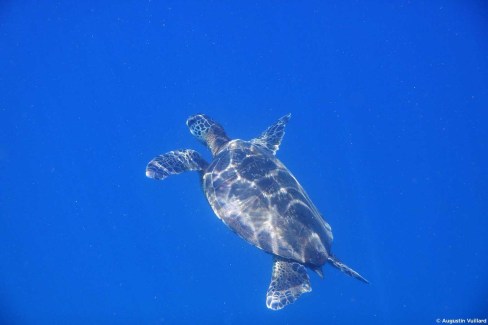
[(257, 197)]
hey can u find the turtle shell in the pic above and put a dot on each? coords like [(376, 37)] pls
[(256, 196)]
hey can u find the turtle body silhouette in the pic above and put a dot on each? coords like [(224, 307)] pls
[(257, 197)]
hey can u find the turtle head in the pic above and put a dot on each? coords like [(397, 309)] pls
[(208, 131)]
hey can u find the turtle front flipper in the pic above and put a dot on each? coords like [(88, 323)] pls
[(288, 281), (175, 162), (271, 138)]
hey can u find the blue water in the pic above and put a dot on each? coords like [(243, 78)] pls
[(388, 136)]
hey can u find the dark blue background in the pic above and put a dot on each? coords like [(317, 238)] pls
[(388, 136)]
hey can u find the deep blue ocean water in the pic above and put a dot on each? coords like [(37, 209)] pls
[(388, 136)]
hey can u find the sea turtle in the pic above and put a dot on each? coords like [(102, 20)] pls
[(256, 196)]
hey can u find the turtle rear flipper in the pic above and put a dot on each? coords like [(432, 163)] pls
[(175, 162), (288, 281), (346, 269)]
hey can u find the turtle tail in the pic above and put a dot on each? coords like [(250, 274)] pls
[(346, 269)]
